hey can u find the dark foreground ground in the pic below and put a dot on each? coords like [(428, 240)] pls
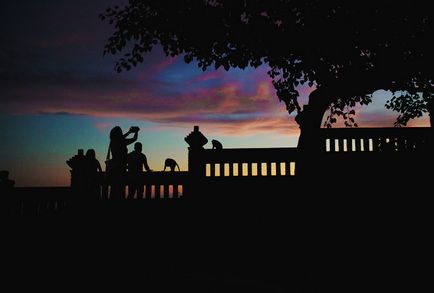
[(367, 236)]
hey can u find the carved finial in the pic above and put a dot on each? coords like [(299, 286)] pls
[(196, 140)]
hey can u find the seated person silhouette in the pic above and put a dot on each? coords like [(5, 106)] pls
[(136, 161)]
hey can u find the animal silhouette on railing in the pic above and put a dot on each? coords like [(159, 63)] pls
[(171, 164), (216, 145)]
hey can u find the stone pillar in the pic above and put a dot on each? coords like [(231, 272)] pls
[(77, 165), (196, 168)]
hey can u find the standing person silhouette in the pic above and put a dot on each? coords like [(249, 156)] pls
[(118, 166), (6, 184), (93, 171), (136, 161), (9, 203)]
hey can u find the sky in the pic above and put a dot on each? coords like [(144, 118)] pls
[(58, 94)]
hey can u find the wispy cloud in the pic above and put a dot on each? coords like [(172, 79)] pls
[(232, 107), (226, 107), (61, 113)]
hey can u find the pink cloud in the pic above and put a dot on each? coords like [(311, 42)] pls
[(164, 64), (232, 107), (279, 125), (227, 107), (367, 117), (103, 127), (264, 91), (305, 90)]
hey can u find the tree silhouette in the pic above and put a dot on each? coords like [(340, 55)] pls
[(345, 49)]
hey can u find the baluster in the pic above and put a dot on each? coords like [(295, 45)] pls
[(376, 142), (207, 170), (340, 144), (343, 145), (366, 144), (166, 191), (293, 169), (148, 191), (175, 190), (259, 169), (212, 166), (360, 144), (400, 141), (356, 144), (157, 191), (140, 196), (381, 143), (288, 168), (332, 145)]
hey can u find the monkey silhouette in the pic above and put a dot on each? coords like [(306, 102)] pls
[(216, 144), (171, 163)]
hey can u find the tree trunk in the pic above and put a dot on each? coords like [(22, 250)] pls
[(310, 120), (430, 107), (311, 117)]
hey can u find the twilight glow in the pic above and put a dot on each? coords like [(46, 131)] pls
[(59, 93)]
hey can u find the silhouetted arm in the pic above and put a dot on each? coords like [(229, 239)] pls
[(131, 140), (98, 166), (145, 163), (127, 133)]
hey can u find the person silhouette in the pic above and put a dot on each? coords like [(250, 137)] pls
[(8, 205), (136, 161), (92, 171), (119, 151), (6, 184)]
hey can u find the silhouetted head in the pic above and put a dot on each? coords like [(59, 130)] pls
[(4, 175), (90, 153), (138, 146), (116, 133)]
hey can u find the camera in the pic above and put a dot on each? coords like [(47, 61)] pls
[(134, 129)]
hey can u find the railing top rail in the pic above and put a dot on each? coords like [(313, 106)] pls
[(249, 155), (279, 149), (375, 132), (161, 174)]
